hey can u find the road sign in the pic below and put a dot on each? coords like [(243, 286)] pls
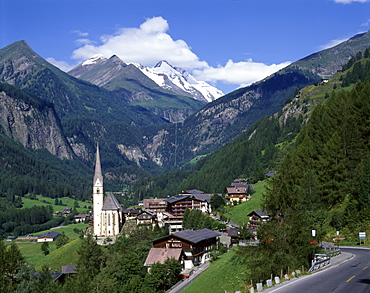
[(362, 235)]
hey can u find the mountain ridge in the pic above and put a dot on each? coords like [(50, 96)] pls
[(135, 88)]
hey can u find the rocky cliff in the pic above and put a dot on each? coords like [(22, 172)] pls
[(32, 126)]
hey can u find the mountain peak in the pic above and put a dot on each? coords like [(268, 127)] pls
[(163, 63), (93, 59), (178, 80)]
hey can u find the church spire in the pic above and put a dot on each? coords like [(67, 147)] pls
[(98, 175)]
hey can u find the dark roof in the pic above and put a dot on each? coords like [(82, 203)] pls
[(69, 269), (81, 216), (176, 198), (130, 211), (233, 232), (203, 196), (51, 234), (246, 185), (193, 191), (240, 180), (196, 236), (151, 213), (270, 174), (111, 203), (259, 213), (98, 173)]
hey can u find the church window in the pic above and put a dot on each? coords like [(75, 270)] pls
[(108, 219)]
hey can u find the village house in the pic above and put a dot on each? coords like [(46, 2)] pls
[(203, 198), (256, 218), (80, 218), (173, 223), (196, 244), (130, 214), (154, 204), (160, 255), (67, 210), (236, 195), (240, 191), (28, 237), (193, 199), (48, 236), (58, 214), (147, 218), (169, 211)]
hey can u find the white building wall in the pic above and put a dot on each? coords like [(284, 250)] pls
[(98, 198)]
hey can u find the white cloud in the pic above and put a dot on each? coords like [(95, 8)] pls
[(350, 1), (80, 33), (366, 23), (147, 45), (82, 42), (332, 43), (62, 65), (240, 73), (151, 43)]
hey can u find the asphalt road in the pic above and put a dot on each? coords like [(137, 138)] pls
[(186, 282), (351, 276)]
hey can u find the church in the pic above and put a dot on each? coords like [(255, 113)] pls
[(108, 213)]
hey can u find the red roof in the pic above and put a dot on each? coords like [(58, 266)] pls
[(160, 255)]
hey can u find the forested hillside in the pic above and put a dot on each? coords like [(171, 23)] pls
[(259, 148), (322, 183)]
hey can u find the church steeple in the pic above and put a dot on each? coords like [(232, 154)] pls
[(98, 175), (98, 194)]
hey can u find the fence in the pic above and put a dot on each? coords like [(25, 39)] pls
[(321, 259)]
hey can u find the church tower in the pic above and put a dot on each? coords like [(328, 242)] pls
[(98, 194)]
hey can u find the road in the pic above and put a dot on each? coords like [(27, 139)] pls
[(351, 276), (186, 282)]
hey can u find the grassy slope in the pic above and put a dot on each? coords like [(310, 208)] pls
[(224, 275), (41, 200), (58, 257), (238, 214), (66, 255)]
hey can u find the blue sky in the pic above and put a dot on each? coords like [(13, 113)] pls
[(228, 43)]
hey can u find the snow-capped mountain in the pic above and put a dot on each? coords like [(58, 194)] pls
[(178, 80)]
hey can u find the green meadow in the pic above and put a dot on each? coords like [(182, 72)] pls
[(67, 202), (238, 214), (65, 255), (227, 274)]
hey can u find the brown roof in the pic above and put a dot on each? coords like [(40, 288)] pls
[(153, 201), (236, 190), (160, 255)]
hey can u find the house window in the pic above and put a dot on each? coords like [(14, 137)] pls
[(176, 244)]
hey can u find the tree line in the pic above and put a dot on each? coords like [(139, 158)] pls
[(322, 183), (115, 268)]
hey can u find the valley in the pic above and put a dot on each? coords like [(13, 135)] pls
[(305, 125)]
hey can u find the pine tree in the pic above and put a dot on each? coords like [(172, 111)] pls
[(90, 257)]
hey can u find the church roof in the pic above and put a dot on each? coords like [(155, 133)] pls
[(98, 173), (111, 203)]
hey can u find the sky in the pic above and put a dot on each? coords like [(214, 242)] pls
[(227, 43)]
